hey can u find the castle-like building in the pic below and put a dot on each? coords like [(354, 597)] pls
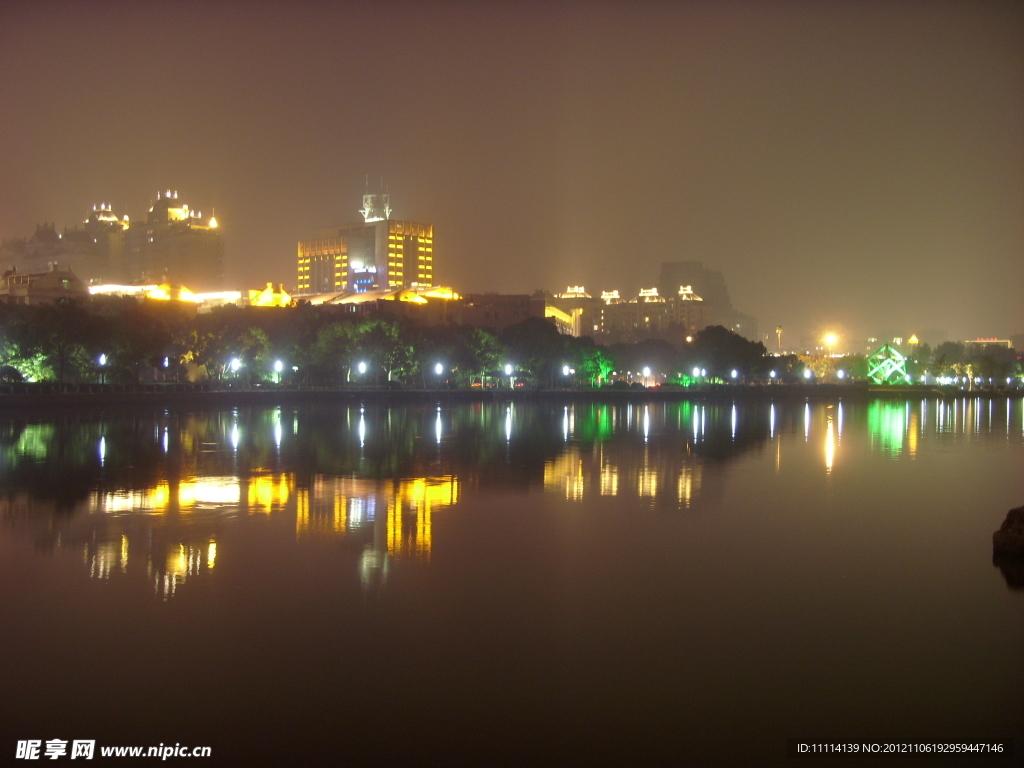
[(176, 244)]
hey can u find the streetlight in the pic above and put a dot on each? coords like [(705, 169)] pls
[(565, 370), (841, 373), (696, 372), (508, 372), (235, 364), (438, 369), (735, 373), (807, 373), (771, 375), (361, 367), (103, 374), (278, 367), (647, 374)]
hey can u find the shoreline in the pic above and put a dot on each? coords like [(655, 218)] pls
[(204, 396)]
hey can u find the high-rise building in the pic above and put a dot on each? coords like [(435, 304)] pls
[(379, 253), (176, 245)]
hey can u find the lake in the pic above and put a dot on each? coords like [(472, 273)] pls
[(511, 582)]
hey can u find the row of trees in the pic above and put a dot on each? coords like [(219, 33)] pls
[(122, 340), (125, 341)]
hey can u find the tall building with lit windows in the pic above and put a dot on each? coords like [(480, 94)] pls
[(379, 253)]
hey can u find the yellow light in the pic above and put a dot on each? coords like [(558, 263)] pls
[(213, 222), (830, 339)]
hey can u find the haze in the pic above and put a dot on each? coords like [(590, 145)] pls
[(856, 166)]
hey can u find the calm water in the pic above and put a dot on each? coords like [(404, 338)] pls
[(520, 583)]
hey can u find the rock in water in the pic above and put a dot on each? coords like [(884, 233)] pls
[(1009, 539)]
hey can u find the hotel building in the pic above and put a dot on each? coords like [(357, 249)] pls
[(380, 253)]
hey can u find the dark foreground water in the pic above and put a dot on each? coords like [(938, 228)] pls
[(506, 583)]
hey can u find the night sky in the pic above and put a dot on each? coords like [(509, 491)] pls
[(857, 166)]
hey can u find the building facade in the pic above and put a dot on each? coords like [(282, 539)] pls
[(176, 245), (379, 253), (651, 315)]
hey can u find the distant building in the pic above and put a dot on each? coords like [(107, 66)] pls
[(994, 342), (378, 253), (92, 251), (497, 311), (709, 284), (175, 245), (651, 315), (41, 287)]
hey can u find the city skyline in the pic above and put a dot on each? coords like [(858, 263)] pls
[(841, 165)]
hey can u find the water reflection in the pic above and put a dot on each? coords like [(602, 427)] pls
[(161, 485)]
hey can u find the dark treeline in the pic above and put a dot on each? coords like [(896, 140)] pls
[(121, 340)]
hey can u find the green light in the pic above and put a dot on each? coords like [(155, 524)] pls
[(887, 366), (885, 426)]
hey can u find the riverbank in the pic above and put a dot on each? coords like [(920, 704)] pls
[(92, 395)]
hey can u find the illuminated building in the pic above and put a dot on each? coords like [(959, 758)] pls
[(379, 253), (651, 315), (176, 244), (271, 296)]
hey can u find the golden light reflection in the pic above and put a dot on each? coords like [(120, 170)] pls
[(609, 479), (339, 506), (268, 493), (689, 484), (182, 561), (830, 446), (564, 474), (912, 435)]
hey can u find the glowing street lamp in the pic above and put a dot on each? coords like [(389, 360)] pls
[(235, 364), (771, 375), (361, 367), (565, 370), (278, 367), (438, 369), (807, 373), (830, 341), (647, 375), (508, 369), (841, 373), (696, 372), (735, 373)]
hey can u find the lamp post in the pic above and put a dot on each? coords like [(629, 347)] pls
[(508, 372), (438, 370)]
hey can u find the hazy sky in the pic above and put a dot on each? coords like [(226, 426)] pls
[(858, 165)]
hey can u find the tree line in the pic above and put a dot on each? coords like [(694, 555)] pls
[(122, 340)]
